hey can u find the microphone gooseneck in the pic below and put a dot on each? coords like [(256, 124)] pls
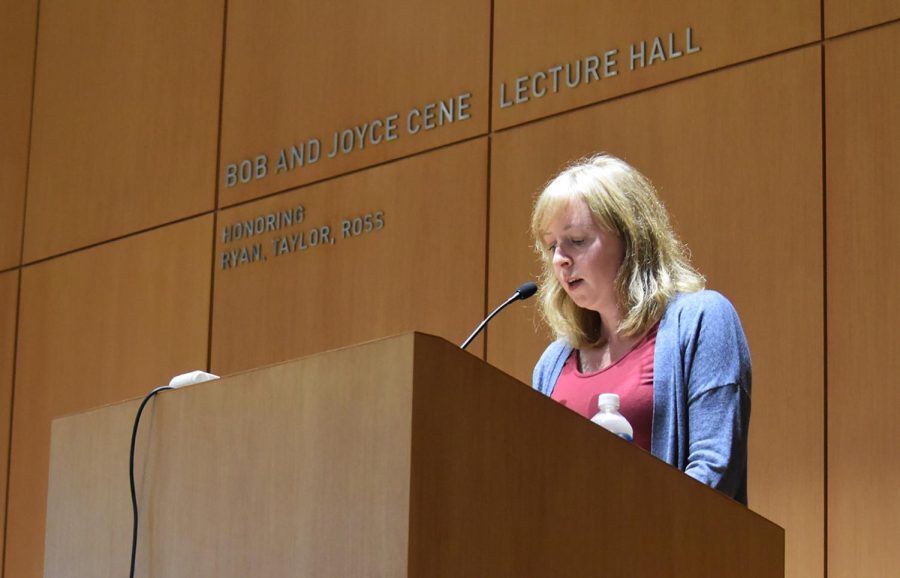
[(524, 291)]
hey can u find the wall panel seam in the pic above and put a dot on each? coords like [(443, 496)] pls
[(215, 225), (9, 429), (114, 239), (861, 30), (487, 196), (821, 19), (487, 246), (34, 64), (490, 104), (824, 156), (15, 352)]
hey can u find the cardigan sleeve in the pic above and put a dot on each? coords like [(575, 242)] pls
[(549, 366), (718, 375)]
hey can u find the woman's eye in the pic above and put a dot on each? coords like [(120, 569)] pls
[(551, 247), (577, 241)]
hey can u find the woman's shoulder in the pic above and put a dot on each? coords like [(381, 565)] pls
[(549, 365), (711, 310), (556, 350), (705, 302)]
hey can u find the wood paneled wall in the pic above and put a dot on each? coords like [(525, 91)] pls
[(772, 145), (647, 44), (842, 16), (863, 212), (17, 30), (9, 294), (125, 119), (369, 73)]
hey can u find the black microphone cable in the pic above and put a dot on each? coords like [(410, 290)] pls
[(134, 506), (177, 382)]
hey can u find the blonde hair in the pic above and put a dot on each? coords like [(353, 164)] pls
[(655, 266)]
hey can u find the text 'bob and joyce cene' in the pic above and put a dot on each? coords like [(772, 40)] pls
[(448, 111)]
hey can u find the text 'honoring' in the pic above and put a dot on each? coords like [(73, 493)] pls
[(287, 233)]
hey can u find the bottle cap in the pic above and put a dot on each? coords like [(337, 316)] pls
[(608, 400)]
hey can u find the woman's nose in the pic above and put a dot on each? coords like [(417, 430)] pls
[(560, 258)]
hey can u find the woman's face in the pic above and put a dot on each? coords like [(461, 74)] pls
[(586, 257)]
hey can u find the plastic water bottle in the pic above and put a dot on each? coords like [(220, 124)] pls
[(610, 418)]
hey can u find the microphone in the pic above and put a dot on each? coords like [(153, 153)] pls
[(524, 291)]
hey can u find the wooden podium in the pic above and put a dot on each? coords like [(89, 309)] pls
[(394, 458)]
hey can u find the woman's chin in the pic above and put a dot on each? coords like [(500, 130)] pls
[(580, 300)]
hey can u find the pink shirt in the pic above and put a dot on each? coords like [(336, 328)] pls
[(631, 377)]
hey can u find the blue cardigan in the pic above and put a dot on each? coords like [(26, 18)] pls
[(701, 390)]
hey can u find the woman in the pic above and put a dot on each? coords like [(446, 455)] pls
[(631, 316)]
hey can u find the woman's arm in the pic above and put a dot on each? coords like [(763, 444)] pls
[(718, 376)]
